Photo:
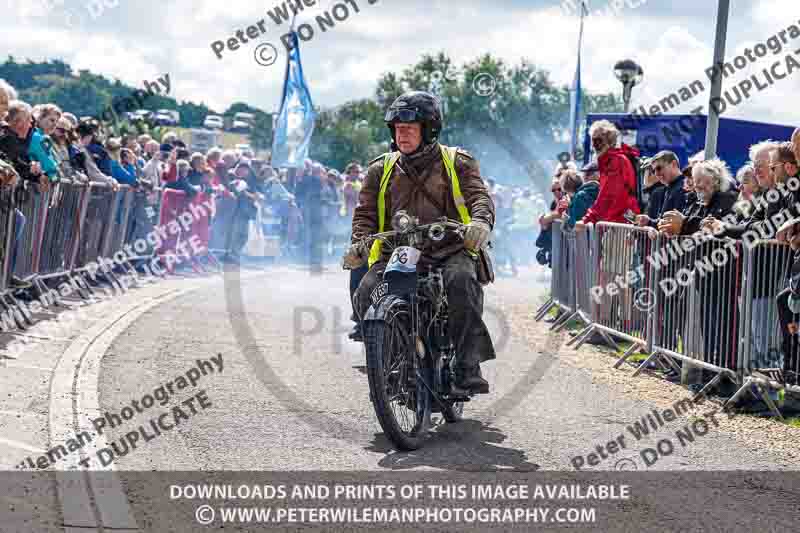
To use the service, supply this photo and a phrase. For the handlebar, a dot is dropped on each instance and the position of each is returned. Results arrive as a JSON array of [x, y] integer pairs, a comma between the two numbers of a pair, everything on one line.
[[444, 222]]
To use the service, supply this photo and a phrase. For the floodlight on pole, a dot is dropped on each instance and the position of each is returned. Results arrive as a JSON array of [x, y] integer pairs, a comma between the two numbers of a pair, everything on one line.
[[630, 74]]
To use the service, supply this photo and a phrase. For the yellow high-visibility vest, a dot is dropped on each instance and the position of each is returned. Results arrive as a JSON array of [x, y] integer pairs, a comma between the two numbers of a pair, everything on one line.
[[448, 156]]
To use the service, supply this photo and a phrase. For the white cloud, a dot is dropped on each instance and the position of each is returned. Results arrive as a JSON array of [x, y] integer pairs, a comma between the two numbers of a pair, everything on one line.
[[673, 41]]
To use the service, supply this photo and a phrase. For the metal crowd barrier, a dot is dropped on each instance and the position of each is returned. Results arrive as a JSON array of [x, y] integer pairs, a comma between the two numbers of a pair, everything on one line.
[[562, 284], [63, 229], [7, 229], [34, 209], [710, 303], [98, 223], [115, 237], [617, 286], [767, 268], [698, 305]]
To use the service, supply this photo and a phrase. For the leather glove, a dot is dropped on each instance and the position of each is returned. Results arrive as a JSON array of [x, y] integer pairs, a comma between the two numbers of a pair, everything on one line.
[[354, 257], [477, 235]]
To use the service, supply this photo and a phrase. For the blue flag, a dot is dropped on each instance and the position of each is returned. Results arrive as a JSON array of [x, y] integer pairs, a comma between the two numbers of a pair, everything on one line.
[[576, 93], [295, 123]]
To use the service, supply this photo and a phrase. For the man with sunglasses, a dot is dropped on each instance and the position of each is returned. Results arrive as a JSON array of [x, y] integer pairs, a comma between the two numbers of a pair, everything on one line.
[[429, 180], [667, 170]]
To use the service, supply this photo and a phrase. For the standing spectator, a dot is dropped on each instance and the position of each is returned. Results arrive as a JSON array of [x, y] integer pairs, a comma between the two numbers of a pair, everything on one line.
[[65, 150], [583, 193], [653, 192], [7, 94], [522, 223], [788, 304], [242, 186], [153, 171], [761, 155], [749, 191], [14, 137], [119, 171], [617, 177], [668, 172], [41, 147], [712, 182], [86, 160]]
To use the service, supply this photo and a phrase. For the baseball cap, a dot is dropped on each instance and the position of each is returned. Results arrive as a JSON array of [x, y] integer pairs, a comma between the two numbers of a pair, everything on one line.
[[667, 155]]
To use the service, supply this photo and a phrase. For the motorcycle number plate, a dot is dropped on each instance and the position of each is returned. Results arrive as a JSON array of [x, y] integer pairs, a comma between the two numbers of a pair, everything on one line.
[[403, 259], [381, 290]]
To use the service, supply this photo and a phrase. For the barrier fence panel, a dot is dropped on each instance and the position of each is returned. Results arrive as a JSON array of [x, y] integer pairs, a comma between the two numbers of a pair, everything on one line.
[[620, 291], [584, 273], [34, 209], [63, 229], [7, 229], [563, 264], [767, 358], [142, 222], [97, 225], [122, 200], [555, 273], [698, 303]]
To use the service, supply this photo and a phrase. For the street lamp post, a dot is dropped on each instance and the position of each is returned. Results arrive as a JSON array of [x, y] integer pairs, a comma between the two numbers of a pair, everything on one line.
[[630, 74]]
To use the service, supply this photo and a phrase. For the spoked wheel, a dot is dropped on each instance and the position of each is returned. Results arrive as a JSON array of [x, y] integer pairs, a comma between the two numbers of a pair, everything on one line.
[[401, 401]]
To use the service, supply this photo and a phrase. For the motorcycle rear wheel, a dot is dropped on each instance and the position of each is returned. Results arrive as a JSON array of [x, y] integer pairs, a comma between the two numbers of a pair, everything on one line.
[[402, 403]]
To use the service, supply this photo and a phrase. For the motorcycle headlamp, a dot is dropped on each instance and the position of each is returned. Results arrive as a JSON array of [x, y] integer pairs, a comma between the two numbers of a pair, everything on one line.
[[402, 114], [436, 232], [402, 222]]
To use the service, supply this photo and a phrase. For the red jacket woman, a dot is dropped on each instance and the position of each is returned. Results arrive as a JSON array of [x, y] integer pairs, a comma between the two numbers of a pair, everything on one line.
[[617, 177], [617, 187]]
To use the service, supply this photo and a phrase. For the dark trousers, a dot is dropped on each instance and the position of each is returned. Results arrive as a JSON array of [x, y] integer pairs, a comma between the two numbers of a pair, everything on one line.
[[720, 320], [790, 343], [468, 332]]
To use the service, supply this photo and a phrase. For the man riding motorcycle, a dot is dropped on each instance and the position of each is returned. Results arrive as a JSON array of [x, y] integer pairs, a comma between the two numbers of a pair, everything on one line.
[[417, 176]]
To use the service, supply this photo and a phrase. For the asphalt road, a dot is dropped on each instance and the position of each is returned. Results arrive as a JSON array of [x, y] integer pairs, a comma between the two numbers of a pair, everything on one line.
[[293, 396]]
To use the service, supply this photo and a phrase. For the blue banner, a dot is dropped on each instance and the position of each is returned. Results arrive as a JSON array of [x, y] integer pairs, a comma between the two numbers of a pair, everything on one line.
[[295, 123]]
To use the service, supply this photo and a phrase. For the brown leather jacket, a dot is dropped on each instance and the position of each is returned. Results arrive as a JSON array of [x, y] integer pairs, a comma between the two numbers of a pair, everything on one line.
[[403, 194]]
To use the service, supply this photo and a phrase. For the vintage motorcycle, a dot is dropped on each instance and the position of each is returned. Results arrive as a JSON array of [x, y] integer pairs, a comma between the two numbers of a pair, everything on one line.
[[408, 348]]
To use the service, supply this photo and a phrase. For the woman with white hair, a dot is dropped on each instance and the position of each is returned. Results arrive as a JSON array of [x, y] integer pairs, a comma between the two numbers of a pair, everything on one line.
[[617, 193], [712, 182]]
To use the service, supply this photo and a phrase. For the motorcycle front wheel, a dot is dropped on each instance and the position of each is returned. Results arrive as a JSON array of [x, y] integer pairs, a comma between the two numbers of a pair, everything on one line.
[[400, 399]]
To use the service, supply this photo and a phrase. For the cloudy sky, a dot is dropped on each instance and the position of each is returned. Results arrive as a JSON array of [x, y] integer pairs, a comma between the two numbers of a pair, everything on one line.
[[136, 40]]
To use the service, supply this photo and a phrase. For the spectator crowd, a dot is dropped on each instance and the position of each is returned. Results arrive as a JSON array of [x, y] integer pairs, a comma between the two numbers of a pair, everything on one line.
[[701, 197]]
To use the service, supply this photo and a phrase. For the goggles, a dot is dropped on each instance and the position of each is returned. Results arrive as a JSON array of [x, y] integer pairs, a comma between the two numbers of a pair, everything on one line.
[[403, 114]]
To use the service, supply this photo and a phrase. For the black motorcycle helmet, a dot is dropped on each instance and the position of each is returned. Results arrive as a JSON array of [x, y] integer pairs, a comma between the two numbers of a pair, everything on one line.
[[416, 106]]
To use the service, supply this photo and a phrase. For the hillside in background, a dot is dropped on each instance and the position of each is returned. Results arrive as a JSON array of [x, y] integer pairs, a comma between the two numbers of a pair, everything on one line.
[[515, 121], [87, 94]]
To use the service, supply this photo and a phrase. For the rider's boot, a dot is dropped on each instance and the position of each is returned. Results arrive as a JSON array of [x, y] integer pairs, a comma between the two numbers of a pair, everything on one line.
[[355, 334], [470, 380]]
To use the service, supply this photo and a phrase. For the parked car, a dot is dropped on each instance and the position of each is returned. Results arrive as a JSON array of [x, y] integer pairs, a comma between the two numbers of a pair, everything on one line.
[[243, 122], [213, 122], [166, 117], [162, 119]]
